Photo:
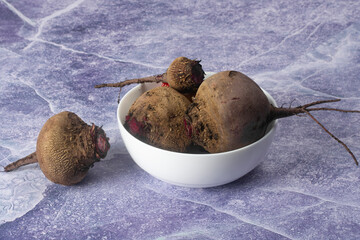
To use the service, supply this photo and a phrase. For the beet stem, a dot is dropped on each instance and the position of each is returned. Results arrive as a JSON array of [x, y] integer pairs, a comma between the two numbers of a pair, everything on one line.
[[333, 109], [281, 112], [319, 102], [332, 135], [156, 78], [276, 113], [31, 158]]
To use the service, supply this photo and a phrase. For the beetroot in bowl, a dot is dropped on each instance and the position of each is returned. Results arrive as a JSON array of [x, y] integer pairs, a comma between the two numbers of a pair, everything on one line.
[[190, 169]]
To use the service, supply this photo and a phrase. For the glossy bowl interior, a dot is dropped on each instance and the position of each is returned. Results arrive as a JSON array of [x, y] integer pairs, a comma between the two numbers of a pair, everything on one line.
[[191, 170]]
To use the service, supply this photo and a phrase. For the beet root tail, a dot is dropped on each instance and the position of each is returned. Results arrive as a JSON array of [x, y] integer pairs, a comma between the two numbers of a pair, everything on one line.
[[31, 158], [277, 113], [156, 78]]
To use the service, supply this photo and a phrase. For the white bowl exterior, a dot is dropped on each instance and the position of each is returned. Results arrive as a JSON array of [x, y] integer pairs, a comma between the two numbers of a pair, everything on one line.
[[191, 170]]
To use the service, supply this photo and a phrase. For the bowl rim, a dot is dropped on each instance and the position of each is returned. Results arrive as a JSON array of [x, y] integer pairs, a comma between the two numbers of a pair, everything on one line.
[[270, 131]]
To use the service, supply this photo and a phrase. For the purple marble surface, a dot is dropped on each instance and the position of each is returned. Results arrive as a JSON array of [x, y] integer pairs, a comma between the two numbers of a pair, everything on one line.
[[52, 53]]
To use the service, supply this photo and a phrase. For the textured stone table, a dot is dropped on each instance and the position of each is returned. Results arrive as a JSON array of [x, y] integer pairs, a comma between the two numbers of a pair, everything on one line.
[[52, 53]]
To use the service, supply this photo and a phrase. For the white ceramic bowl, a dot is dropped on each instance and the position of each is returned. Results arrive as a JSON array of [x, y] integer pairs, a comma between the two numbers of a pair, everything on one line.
[[191, 170]]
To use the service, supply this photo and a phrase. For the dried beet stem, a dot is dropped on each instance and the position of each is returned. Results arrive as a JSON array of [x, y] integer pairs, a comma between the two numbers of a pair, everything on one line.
[[319, 102], [281, 112], [31, 158], [277, 113], [332, 135], [156, 78], [334, 109]]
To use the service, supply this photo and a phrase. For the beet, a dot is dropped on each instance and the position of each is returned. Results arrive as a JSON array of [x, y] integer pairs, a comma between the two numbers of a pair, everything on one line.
[[228, 114], [231, 111], [157, 118], [66, 149], [183, 74]]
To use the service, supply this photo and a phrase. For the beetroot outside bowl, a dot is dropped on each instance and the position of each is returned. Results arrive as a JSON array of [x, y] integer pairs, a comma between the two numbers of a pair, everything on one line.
[[186, 169]]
